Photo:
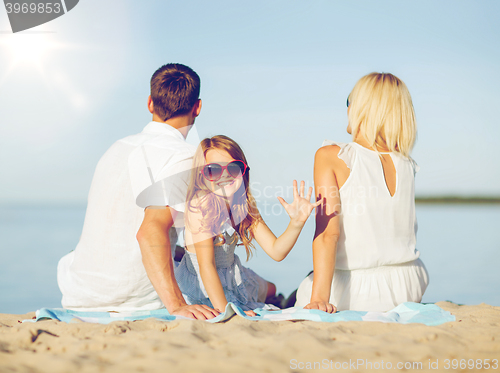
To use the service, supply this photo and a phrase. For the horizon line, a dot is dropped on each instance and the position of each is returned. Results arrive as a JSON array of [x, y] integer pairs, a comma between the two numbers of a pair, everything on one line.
[[425, 199]]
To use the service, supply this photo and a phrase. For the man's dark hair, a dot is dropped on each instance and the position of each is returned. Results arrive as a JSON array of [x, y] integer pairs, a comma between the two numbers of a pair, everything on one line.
[[175, 88]]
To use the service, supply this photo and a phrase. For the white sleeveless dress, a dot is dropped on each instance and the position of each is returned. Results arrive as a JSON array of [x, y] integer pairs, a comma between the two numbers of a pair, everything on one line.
[[377, 264]]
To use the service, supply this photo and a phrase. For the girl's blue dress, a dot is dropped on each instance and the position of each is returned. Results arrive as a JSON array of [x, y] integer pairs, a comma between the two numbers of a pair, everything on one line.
[[240, 284]]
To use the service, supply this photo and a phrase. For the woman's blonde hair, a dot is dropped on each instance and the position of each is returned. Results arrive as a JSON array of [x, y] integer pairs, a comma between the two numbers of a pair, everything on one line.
[[243, 212], [381, 108]]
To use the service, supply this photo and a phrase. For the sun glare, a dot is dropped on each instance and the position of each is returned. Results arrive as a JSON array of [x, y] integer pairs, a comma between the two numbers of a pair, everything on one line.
[[27, 48], [34, 54]]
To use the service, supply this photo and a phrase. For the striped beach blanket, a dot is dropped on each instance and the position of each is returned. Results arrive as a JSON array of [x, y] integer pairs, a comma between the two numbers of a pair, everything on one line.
[[406, 313]]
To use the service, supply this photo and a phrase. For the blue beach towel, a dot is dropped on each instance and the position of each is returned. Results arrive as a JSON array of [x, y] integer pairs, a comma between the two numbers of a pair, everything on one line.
[[406, 313]]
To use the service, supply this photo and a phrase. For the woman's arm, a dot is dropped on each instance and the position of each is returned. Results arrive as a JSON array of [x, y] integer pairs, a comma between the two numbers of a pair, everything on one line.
[[327, 228], [299, 211]]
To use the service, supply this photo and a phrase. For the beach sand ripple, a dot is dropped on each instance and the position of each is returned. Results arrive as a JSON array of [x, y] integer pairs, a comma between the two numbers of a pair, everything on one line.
[[239, 345]]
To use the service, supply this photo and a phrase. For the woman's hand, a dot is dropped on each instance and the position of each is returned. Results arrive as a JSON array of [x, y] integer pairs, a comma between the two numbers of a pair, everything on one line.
[[250, 313], [300, 209], [322, 306]]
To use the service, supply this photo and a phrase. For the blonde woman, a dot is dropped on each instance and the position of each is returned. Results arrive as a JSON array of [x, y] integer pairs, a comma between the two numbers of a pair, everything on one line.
[[364, 248], [220, 212]]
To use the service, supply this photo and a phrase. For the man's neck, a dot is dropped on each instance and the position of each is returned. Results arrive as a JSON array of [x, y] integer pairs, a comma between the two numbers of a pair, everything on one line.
[[183, 123]]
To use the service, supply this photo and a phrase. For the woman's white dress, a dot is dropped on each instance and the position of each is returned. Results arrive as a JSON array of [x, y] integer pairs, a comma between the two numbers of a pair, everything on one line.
[[377, 264]]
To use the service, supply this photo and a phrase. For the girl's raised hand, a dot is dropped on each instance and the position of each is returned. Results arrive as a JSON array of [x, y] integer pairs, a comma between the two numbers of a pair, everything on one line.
[[300, 209]]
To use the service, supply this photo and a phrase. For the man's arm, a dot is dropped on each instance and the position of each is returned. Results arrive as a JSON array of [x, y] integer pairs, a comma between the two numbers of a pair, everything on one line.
[[156, 253]]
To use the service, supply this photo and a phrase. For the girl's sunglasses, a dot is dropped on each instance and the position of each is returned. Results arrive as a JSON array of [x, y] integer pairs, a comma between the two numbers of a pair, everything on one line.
[[214, 171]]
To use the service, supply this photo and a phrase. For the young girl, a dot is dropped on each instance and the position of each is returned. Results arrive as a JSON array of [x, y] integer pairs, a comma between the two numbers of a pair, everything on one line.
[[364, 253], [221, 211]]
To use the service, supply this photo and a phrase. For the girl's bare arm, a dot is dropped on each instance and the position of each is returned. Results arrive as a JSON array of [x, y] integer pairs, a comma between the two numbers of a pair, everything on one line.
[[203, 244], [299, 210], [209, 275]]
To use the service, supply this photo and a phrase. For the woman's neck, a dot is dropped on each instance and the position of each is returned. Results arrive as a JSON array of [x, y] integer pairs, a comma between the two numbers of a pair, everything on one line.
[[361, 140]]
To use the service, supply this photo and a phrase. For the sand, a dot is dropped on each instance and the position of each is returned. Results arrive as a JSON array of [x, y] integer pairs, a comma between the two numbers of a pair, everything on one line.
[[239, 345]]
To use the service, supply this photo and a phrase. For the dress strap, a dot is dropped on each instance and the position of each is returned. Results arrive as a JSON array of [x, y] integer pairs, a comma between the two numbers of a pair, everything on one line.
[[228, 228]]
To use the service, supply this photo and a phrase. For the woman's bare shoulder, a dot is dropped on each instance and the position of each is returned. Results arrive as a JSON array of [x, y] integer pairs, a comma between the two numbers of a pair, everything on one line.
[[328, 154], [327, 160]]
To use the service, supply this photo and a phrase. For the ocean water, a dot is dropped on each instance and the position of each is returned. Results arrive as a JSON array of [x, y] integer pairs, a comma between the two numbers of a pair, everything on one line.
[[459, 244]]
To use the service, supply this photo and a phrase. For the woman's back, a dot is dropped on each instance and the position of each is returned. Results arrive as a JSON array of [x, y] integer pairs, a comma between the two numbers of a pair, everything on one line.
[[377, 265], [378, 225]]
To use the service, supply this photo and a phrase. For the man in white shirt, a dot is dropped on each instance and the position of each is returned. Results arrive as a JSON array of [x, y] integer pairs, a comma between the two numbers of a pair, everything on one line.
[[123, 261]]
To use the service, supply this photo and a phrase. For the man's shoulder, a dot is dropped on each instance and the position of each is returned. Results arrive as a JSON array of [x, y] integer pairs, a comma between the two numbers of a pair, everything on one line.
[[168, 143], [154, 143], [160, 140]]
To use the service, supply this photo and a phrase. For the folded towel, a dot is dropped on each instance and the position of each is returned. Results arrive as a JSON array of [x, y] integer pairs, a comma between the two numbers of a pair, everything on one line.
[[406, 313]]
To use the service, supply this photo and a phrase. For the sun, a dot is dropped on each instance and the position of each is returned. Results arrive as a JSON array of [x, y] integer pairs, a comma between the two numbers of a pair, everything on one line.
[[27, 48], [38, 55], [27, 51]]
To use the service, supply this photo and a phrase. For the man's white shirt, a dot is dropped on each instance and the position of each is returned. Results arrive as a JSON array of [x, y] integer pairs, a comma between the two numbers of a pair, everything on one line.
[[105, 271]]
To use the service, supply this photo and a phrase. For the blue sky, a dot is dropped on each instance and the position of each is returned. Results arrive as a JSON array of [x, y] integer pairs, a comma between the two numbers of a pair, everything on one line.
[[275, 77]]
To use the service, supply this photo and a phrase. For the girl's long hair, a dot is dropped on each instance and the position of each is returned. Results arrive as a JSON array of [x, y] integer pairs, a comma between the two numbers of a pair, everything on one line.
[[380, 106], [243, 212]]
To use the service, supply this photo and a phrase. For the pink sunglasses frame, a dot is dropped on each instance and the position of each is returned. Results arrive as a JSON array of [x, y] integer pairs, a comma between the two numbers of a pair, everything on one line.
[[225, 168]]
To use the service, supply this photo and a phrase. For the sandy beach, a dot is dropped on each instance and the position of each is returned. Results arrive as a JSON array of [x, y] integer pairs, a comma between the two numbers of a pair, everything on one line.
[[239, 345]]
